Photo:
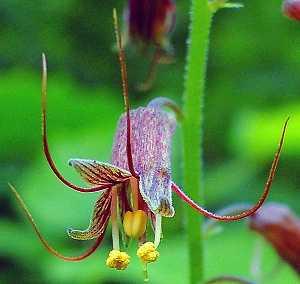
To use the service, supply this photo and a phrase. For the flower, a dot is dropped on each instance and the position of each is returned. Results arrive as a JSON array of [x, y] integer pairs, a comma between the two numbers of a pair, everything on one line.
[[148, 23], [281, 228], [291, 8], [136, 186]]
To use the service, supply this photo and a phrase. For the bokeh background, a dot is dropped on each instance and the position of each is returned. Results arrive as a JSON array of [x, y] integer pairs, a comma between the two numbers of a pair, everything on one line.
[[253, 85]]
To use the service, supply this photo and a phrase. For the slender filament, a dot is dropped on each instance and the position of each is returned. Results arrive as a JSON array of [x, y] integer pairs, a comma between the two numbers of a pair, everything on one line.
[[45, 139], [157, 233], [245, 213], [135, 193], [48, 247], [148, 83], [125, 92]]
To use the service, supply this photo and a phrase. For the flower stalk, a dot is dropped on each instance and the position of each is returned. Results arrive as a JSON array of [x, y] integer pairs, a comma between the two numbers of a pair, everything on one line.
[[193, 104]]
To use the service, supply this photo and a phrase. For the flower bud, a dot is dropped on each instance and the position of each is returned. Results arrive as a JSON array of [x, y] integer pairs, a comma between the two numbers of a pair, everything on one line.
[[291, 8], [150, 21]]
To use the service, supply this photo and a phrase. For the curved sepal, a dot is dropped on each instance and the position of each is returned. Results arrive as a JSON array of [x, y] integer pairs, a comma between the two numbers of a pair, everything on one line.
[[99, 173], [98, 222]]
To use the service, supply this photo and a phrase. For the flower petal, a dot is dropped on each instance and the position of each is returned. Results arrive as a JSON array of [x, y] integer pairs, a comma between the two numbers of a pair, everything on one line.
[[155, 188], [98, 222], [99, 173], [278, 224]]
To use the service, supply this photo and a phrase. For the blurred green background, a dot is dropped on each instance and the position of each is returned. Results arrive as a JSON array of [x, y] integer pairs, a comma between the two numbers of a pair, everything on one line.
[[253, 85]]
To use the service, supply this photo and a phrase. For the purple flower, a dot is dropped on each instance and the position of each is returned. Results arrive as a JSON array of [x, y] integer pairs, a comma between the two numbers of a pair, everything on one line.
[[137, 184], [151, 160]]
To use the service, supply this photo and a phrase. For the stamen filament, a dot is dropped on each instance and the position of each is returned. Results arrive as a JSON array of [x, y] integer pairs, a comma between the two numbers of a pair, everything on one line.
[[145, 272], [114, 221], [157, 233], [135, 193]]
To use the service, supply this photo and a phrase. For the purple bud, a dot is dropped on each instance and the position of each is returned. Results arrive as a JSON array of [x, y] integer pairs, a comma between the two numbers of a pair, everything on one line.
[[291, 8], [149, 21]]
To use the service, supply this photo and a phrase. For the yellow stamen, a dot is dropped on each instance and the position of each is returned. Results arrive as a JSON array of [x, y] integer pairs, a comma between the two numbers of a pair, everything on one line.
[[135, 223], [147, 252], [118, 260]]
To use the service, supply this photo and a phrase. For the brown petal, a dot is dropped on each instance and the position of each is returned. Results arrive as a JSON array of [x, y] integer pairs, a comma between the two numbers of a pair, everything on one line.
[[281, 228], [98, 222], [99, 173]]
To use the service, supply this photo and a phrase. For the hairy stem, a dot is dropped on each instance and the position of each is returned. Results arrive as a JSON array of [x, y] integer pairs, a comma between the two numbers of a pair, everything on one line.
[[192, 129]]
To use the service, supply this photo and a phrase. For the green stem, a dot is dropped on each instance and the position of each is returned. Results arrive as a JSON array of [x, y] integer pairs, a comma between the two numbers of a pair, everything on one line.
[[192, 129]]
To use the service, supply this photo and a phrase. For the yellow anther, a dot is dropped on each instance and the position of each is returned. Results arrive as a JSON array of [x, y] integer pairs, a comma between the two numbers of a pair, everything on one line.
[[135, 223], [118, 260], [147, 252]]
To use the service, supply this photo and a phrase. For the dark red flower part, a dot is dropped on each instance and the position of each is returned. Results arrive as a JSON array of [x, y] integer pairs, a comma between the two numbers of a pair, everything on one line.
[[150, 21], [281, 228], [291, 8]]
